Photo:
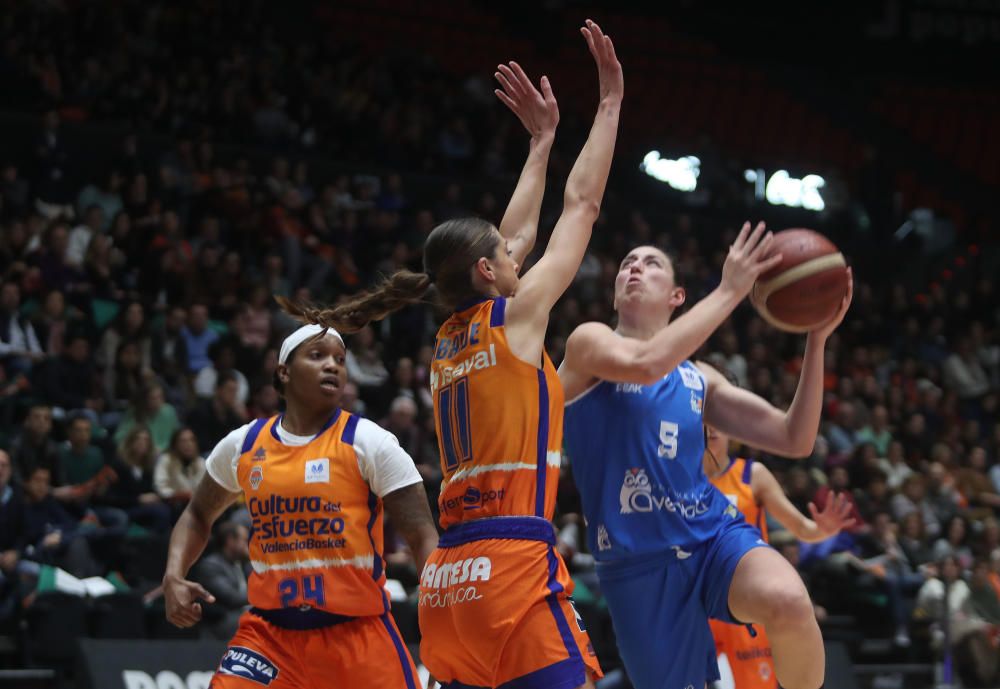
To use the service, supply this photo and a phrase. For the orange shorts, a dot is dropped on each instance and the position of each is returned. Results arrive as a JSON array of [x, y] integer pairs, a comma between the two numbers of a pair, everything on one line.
[[364, 652], [495, 607], [748, 657]]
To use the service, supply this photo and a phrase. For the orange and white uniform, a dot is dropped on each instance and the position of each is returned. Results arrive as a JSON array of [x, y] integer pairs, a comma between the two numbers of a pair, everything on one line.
[[748, 657], [494, 596], [319, 614]]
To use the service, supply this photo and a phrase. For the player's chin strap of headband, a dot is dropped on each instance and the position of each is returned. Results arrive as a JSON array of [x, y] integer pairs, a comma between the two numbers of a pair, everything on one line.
[[306, 332]]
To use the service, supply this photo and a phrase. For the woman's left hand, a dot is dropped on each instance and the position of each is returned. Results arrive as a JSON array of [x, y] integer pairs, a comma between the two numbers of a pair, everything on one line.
[[538, 111], [825, 330]]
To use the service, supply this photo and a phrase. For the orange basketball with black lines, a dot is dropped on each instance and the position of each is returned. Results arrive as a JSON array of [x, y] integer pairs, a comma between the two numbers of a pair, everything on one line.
[[803, 291]]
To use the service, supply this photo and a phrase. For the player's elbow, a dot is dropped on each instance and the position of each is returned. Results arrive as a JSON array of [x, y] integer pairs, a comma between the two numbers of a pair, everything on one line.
[[800, 448], [585, 206]]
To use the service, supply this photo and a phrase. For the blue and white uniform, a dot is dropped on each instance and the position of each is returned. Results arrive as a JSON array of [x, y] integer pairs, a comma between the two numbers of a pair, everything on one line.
[[667, 542]]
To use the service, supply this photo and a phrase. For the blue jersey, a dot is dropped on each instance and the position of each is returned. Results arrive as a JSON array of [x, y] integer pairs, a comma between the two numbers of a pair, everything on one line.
[[636, 453]]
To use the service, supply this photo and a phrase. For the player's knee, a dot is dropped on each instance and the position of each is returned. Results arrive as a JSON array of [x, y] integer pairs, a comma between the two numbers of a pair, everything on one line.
[[788, 608]]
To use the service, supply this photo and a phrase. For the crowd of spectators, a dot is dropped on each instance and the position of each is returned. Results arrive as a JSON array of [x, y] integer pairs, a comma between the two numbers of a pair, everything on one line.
[[137, 326]]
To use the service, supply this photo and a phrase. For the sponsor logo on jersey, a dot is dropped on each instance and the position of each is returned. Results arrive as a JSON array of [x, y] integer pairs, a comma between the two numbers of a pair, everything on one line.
[[753, 653], [697, 403], [444, 585], [260, 455], [474, 499], [256, 476], [240, 661], [637, 494], [691, 378], [629, 388], [278, 517], [318, 470], [483, 359], [603, 540]]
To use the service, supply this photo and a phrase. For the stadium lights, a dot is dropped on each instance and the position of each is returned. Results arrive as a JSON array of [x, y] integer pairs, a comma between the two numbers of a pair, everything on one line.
[[784, 190], [681, 174]]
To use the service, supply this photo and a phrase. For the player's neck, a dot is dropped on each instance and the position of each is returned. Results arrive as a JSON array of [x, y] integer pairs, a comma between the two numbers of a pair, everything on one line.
[[305, 422], [640, 327], [714, 468]]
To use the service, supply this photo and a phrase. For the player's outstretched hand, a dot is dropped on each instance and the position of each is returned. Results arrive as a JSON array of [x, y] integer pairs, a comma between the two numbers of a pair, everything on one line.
[[181, 597], [748, 258], [834, 517], [827, 329], [609, 70], [537, 110]]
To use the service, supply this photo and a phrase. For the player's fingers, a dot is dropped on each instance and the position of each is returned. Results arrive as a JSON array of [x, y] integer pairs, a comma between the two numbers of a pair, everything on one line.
[[812, 510], [507, 86], [522, 78], [515, 81], [506, 99], [607, 49], [182, 618], [754, 239], [509, 80], [741, 238], [202, 593], [590, 41], [763, 246], [612, 55], [547, 93], [770, 262]]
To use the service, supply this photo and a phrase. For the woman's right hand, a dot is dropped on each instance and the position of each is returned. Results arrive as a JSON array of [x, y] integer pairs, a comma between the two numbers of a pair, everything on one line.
[[609, 69], [748, 258], [181, 597]]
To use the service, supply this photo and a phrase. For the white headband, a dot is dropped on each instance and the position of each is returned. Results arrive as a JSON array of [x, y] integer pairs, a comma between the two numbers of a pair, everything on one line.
[[306, 332]]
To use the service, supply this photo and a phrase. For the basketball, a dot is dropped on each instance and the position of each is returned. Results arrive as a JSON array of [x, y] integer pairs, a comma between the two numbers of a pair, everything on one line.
[[803, 291]]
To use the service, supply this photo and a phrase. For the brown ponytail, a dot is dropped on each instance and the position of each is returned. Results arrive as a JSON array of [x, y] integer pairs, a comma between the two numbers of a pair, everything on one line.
[[393, 293]]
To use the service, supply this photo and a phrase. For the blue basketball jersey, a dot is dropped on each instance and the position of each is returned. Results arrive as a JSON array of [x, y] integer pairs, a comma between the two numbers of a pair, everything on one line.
[[636, 453]]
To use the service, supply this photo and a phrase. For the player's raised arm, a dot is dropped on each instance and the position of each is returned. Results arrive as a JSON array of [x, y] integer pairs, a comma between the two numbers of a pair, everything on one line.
[[539, 113], [542, 286], [593, 350], [752, 419]]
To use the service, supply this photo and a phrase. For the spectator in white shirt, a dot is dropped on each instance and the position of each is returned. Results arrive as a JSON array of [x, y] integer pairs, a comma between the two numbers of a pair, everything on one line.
[[963, 372], [180, 468], [19, 346], [80, 236]]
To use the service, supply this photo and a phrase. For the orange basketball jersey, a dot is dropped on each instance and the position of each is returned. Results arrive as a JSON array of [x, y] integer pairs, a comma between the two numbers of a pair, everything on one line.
[[316, 533], [749, 656], [734, 483], [498, 419]]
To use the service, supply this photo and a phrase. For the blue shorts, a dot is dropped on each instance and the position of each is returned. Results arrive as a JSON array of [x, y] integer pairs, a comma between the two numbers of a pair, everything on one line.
[[660, 605]]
